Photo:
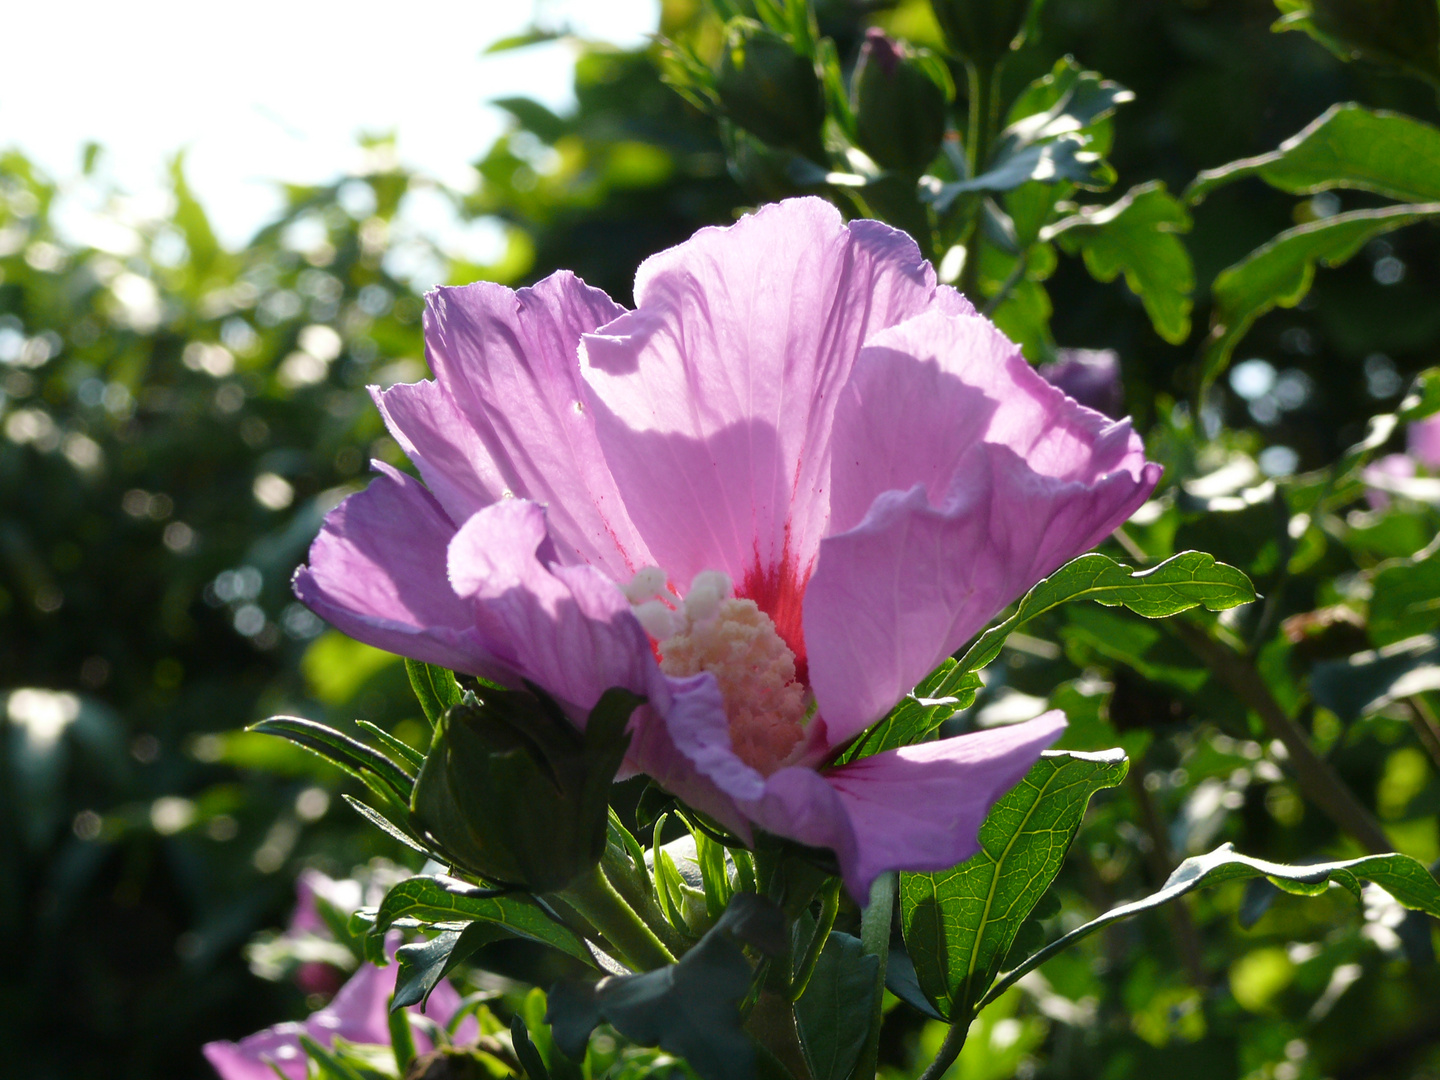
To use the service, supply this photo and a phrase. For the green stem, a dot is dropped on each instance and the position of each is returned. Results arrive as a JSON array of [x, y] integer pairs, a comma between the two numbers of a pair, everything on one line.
[[592, 895], [984, 83], [949, 1050], [1317, 780], [642, 901], [875, 940], [829, 907]]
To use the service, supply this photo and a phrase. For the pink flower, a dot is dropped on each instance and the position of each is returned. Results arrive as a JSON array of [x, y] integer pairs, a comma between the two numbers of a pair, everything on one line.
[[772, 498], [1422, 446], [358, 1014]]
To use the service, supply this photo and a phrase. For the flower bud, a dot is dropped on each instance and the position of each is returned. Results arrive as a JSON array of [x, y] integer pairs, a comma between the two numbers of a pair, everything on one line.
[[769, 89], [982, 31], [899, 98], [513, 792]]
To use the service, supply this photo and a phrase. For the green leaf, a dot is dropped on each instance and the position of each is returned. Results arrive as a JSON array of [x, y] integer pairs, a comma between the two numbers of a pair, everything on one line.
[[901, 980], [446, 902], [1405, 599], [424, 963], [1138, 236], [394, 821], [690, 1008], [1368, 681], [1280, 272], [1068, 98], [918, 714], [435, 687], [1346, 146], [399, 751], [1064, 159], [833, 1014], [1402, 877], [1398, 33], [1423, 398], [959, 924], [362, 762], [1189, 579]]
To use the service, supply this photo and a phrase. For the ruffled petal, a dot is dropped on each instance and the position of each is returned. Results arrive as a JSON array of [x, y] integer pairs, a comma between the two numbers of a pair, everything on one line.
[[682, 739], [960, 478], [568, 629], [714, 398], [444, 444], [920, 807], [376, 572], [506, 413]]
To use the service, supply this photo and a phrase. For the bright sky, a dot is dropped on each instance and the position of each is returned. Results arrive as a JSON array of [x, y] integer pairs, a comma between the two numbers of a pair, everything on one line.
[[278, 89]]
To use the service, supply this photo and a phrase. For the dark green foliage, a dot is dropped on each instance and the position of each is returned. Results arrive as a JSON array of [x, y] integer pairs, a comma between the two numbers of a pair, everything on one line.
[[691, 1008]]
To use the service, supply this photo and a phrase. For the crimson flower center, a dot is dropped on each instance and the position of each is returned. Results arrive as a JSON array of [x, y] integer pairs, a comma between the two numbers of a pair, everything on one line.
[[766, 706]]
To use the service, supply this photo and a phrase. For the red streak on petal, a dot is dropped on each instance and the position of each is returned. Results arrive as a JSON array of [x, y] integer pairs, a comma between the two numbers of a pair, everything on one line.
[[779, 590]]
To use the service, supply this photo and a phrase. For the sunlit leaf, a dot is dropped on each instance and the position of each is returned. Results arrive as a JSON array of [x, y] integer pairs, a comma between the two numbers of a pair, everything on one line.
[[1279, 273], [1346, 146], [959, 924], [1404, 878], [1138, 235]]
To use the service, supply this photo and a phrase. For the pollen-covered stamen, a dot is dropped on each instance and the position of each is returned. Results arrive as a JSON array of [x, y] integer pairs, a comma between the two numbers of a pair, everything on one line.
[[737, 643]]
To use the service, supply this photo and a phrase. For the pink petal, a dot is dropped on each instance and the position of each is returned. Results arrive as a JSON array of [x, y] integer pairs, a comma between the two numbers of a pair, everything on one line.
[[920, 807], [1422, 439], [505, 414], [444, 444], [683, 744], [358, 1013], [714, 398], [568, 629], [376, 573], [960, 478]]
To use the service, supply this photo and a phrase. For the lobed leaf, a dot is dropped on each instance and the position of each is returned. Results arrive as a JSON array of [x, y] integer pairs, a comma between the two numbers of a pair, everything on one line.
[[1280, 272], [1404, 878], [918, 714], [1346, 146], [1063, 159], [959, 924], [1189, 579], [1138, 236]]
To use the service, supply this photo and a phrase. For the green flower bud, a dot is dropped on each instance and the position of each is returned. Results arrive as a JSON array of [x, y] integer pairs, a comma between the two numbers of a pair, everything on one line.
[[769, 89], [899, 98], [513, 792], [982, 31]]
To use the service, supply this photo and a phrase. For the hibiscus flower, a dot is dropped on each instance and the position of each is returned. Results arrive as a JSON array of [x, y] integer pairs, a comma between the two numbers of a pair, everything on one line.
[[359, 1014], [772, 498]]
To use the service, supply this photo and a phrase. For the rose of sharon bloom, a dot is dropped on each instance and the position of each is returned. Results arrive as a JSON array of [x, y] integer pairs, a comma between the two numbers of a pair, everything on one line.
[[772, 498], [358, 1014]]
